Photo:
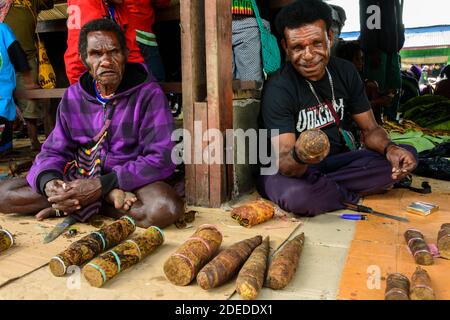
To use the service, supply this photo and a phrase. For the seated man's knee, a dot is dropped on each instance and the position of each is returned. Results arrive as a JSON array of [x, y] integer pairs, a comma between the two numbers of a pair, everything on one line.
[[6, 187], [298, 201], [161, 206]]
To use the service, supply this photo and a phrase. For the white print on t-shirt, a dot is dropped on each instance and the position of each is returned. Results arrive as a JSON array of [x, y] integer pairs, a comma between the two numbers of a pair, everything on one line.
[[319, 116]]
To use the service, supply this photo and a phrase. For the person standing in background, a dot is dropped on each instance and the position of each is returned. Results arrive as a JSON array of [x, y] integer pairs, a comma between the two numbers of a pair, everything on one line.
[[443, 86], [83, 11], [12, 58], [22, 19], [246, 42], [142, 18]]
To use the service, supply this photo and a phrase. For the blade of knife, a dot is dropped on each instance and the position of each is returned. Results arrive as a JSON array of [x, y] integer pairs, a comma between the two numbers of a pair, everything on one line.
[[59, 229], [385, 215], [361, 208]]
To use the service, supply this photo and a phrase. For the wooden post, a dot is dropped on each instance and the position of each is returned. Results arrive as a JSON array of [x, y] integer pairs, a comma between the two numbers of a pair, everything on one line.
[[219, 87], [194, 78], [201, 169]]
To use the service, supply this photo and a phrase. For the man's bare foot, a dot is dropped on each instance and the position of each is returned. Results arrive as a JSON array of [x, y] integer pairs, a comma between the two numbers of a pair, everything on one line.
[[122, 200], [46, 213]]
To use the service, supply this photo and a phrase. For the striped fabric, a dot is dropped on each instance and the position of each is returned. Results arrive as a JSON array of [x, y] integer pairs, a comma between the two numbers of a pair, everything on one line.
[[242, 7], [88, 165], [146, 38]]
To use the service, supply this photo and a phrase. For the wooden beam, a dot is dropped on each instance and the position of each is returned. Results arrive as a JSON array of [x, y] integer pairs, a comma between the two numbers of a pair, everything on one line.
[[219, 88], [167, 87], [201, 170], [58, 25], [193, 80], [40, 93]]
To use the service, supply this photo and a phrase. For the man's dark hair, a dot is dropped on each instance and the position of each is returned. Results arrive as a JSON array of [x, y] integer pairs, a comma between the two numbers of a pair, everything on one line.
[[99, 25], [302, 12]]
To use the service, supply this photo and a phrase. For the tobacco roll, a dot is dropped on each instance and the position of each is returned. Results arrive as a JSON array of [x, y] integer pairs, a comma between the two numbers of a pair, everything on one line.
[[313, 143], [397, 287], [284, 264], [251, 277], [91, 245], [227, 263], [419, 248], [6, 240], [421, 286], [443, 241], [253, 213], [121, 257], [184, 264]]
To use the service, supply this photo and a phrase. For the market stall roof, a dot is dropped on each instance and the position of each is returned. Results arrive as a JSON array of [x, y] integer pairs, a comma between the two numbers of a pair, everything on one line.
[[433, 36]]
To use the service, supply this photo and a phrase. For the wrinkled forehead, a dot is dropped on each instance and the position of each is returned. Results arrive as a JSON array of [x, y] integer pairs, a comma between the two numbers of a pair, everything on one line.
[[102, 40]]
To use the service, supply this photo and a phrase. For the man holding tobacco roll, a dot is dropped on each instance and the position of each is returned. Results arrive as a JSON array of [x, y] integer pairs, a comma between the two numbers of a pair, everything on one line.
[[313, 101]]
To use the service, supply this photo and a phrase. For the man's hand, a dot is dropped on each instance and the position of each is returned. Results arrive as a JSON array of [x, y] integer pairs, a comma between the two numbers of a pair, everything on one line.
[[403, 162], [54, 187], [312, 146], [80, 193]]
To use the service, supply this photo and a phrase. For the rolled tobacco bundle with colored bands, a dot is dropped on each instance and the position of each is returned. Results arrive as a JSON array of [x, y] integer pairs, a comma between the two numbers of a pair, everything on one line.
[[313, 144], [421, 286], [443, 241], [121, 257], [284, 264], [253, 213], [251, 277], [6, 240], [91, 245], [419, 248], [397, 287], [227, 263], [184, 264]]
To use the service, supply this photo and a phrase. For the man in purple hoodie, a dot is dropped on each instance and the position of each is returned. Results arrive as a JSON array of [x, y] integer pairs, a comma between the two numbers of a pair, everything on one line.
[[111, 146]]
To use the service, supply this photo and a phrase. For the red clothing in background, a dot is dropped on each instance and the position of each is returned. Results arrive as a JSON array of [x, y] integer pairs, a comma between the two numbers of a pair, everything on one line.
[[83, 11], [142, 13]]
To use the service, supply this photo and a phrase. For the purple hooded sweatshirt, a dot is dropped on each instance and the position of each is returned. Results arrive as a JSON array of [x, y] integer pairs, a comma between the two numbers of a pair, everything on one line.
[[138, 146]]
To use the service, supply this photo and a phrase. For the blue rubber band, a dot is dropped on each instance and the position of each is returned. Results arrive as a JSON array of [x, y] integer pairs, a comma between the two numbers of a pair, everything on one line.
[[117, 259], [99, 269], [101, 237], [131, 220], [160, 231]]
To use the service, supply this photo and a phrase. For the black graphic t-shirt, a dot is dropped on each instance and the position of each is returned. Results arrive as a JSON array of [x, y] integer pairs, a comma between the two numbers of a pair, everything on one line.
[[289, 105]]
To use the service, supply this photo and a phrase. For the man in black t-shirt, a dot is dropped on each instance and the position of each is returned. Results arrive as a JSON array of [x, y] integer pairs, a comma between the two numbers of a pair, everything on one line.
[[314, 90]]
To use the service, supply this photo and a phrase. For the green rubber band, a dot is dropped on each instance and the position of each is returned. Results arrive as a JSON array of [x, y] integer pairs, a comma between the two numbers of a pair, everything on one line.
[[99, 269], [101, 237], [131, 220], [160, 231], [117, 259]]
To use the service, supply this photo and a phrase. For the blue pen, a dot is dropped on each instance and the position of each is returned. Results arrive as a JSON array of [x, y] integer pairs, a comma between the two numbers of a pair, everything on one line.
[[354, 216]]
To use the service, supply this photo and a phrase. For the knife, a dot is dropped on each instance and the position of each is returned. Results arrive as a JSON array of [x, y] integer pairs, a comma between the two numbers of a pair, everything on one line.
[[361, 208], [59, 229]]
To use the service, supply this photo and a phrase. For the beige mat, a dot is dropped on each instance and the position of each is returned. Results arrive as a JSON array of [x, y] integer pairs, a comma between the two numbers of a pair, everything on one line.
[[143, 281], [29, 252]]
